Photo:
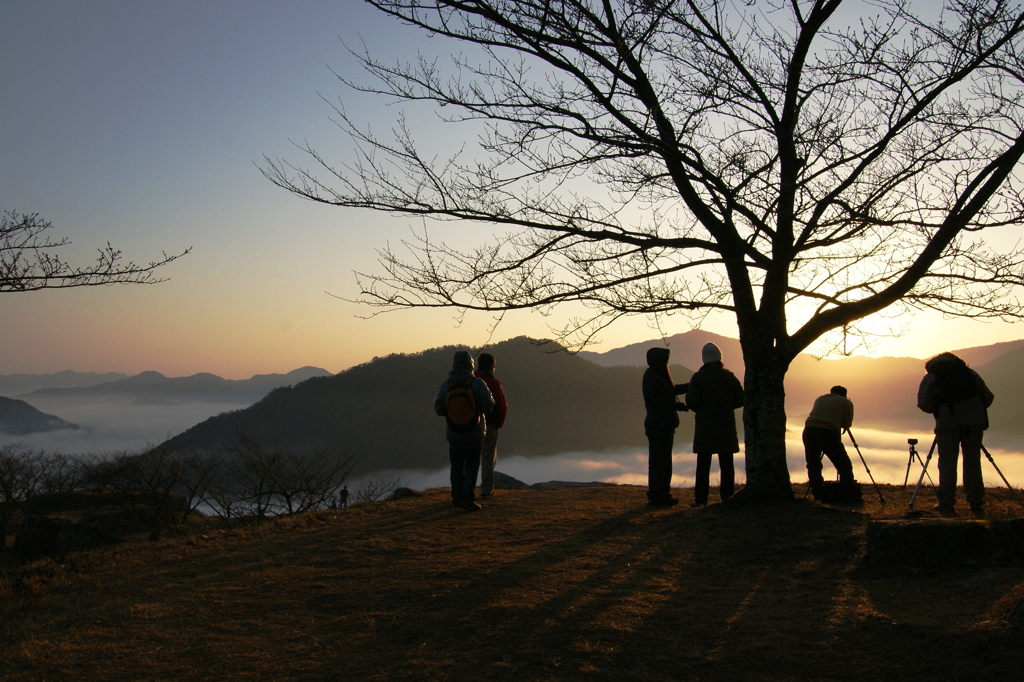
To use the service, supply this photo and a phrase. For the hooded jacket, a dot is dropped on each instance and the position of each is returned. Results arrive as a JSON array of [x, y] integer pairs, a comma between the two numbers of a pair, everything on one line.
[[462, 371], [660, 393]]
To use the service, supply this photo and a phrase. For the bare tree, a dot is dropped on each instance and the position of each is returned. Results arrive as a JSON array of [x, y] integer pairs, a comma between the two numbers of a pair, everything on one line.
[[800, 164], [17, 482], [166, 486], [258, 481], [29, 260]]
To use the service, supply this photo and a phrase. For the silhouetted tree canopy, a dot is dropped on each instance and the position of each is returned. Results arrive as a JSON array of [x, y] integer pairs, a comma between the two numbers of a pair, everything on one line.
[[801, 164]]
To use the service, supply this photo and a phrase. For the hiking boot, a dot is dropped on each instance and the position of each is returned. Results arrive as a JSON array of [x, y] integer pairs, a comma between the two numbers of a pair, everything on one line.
[[944, 510], [696, 504], [667, 502], [977, 511], [471, 505]]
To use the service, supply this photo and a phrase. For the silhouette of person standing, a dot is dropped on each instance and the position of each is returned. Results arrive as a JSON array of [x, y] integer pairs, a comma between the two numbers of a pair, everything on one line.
[[463, 399], [495, 420], [660, 425], [958, 398], [713, 395]]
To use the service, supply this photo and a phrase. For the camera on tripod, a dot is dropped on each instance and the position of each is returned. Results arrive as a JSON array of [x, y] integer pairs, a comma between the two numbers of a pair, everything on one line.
[[911, 441]]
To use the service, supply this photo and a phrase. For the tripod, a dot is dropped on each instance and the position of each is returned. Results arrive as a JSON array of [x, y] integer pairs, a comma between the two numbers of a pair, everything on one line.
[[924, 468], [912, 443], [988, 455], [865, 463]]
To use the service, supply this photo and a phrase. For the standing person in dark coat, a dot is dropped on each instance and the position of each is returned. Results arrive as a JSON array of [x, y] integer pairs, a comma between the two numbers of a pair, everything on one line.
[[660, 425], [495, 420], [464, 440], [959, 399], [713, 395], [831, 414]]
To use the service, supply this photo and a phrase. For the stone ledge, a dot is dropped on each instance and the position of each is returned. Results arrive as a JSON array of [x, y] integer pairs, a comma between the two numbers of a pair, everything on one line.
[[933, 544]]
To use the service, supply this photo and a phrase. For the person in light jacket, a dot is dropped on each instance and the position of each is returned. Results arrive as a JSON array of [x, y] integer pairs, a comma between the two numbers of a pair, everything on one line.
[[830, 415]]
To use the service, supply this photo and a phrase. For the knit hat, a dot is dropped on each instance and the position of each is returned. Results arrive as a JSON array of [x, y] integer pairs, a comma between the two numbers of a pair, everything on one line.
[[710, 353], [840, 390]]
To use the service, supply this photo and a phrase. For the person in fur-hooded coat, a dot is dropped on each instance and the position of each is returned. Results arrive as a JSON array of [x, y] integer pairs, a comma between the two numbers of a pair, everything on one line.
[[660, 425]]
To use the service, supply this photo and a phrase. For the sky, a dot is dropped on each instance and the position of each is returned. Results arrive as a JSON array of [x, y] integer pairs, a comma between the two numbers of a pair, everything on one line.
[[142, 125]]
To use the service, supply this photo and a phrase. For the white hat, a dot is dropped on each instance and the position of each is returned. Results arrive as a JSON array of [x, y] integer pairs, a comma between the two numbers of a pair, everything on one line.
[[710, 353]]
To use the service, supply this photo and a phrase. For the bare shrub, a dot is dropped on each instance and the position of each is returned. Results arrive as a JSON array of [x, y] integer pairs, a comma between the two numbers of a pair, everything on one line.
[[377, 488], [256, 481]]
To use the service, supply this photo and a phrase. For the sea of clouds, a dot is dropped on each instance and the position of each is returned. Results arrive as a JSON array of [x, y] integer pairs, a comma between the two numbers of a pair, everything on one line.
[[109, 427]]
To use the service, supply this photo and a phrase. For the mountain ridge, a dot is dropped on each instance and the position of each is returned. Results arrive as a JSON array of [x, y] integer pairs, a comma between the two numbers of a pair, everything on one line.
[[154, 388], [18, 418], [559, 402]]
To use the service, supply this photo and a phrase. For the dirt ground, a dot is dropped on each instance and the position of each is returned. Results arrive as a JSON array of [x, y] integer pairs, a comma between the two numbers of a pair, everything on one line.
[[570, 583]]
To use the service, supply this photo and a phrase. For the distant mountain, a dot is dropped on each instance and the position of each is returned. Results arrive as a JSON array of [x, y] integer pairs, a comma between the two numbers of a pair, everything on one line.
[[18, 384], [884, 390], [685, 349], [18, 418], [982, 355], [383, 410], [1005, 378], [154, 388]]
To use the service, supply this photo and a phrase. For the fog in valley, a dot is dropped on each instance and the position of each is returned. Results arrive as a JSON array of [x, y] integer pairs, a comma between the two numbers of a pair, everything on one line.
[[114, 426], [885, 453], [108, 427]]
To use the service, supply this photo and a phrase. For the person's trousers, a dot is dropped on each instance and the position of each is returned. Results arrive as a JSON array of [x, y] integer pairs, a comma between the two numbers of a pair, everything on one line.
[[465, 460], [819, 441], [949, 444], [488, 460], [702, 476], [659, 465]]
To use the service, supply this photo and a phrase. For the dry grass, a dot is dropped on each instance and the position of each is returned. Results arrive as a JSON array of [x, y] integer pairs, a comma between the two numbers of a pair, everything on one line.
[[581, 583]]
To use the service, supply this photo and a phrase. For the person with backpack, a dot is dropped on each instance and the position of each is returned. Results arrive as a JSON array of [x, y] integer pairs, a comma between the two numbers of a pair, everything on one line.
[[830, 415], [463, 399], [660, 425], [714, 395], [958, 398], [495, 420]]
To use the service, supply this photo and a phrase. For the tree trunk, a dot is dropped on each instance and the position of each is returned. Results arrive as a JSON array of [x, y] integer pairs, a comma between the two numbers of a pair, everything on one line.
[[764, 426]]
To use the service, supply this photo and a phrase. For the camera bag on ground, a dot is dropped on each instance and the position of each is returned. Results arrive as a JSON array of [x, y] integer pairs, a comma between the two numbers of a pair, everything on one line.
[[838, 492]]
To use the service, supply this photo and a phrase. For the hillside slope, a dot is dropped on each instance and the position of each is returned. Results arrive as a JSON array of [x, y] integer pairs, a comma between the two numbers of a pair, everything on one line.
[[383, 410], [18, 418]]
